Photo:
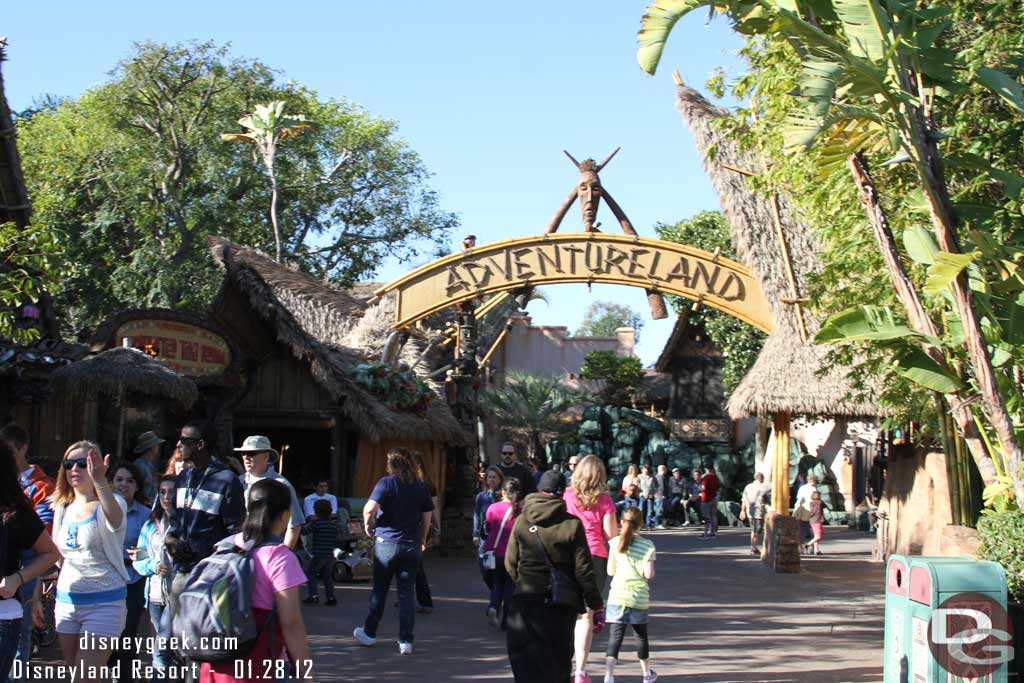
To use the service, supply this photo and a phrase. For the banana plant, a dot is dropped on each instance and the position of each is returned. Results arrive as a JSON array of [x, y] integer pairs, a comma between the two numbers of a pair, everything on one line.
[[873, 71], [265, 128]]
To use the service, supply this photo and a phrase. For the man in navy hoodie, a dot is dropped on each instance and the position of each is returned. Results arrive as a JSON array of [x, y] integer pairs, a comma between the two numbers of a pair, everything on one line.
[[209, 506]]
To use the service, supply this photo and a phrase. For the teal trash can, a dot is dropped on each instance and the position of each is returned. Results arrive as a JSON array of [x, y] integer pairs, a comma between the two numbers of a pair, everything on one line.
[[931, 603]]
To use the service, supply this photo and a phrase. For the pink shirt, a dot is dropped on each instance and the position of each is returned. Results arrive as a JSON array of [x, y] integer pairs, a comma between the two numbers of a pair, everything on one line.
[[492, 522], [593, 520], [276, 569]]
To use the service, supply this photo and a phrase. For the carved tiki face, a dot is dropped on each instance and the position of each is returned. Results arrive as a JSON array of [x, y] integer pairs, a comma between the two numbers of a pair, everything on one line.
[[589, 193]]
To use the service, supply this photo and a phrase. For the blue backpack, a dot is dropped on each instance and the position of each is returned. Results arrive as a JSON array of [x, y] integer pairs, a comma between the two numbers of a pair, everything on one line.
[[215, 620]]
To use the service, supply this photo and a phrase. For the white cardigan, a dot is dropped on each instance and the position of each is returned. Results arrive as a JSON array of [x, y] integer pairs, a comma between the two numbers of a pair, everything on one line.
[[113, 539]]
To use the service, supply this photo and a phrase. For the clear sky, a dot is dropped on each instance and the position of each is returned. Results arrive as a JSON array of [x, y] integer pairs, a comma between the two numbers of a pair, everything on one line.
[[488, 94]]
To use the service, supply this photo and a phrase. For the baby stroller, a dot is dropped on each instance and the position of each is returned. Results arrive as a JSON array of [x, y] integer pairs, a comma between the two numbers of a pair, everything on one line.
[[353, 559]]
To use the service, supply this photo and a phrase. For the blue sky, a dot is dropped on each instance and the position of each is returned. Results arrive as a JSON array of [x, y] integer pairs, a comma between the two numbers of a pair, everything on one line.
[[489, 95]]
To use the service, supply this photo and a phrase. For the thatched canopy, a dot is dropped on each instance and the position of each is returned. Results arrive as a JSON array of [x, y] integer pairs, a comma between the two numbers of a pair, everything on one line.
[[785, 376], [333, 332], [143, 379], [14, 204]]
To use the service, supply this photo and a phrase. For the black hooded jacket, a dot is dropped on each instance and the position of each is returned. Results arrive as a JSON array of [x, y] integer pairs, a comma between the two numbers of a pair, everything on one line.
[[565, 542]]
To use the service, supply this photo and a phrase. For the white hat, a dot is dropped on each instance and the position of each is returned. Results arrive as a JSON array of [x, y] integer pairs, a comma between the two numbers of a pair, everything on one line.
[[256, 444]]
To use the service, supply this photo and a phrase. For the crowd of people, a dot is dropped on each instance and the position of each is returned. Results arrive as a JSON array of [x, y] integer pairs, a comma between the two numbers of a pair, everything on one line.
[[126, 539], [560, 559]]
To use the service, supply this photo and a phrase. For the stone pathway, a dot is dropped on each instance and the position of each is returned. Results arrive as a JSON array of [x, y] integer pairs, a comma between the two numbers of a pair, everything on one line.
[[718, 616]]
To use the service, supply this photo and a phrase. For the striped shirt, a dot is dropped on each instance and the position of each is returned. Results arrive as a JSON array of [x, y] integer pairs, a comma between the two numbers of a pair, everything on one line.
[[325, 536], [629, 587]]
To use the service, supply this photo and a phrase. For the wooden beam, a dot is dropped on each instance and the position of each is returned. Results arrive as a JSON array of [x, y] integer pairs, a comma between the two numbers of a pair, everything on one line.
[[781, 235], [495, 345], [780, 471], [736, 169]]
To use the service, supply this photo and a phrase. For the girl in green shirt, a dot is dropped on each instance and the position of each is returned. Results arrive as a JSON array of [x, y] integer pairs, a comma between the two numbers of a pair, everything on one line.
[[631, 566]]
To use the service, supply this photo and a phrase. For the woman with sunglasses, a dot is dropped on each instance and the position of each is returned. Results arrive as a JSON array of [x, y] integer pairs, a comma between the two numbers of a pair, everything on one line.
[[151, 560], [89, 522], [20, 530]]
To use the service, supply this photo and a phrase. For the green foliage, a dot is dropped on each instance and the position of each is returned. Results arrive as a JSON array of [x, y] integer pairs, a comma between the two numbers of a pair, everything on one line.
[[530, 406], [1002, 541], [398, 389], [135, 174], [829, 77], [739, 342], [602, 318], [622, 375], [30, 261]]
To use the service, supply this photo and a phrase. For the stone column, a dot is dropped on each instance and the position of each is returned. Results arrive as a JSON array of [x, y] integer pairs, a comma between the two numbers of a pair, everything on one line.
[[781, 549]]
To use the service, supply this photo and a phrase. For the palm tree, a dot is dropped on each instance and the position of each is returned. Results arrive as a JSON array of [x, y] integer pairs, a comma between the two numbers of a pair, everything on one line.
[[266, 127], [531, 405]]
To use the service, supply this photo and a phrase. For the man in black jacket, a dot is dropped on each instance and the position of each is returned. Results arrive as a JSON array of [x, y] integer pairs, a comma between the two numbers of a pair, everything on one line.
[[209, 506], [511, 467], [540, 634]]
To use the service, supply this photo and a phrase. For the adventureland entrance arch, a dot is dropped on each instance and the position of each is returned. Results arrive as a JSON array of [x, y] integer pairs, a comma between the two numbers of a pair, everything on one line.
[[657, 266], [487, 273], [651, 264]]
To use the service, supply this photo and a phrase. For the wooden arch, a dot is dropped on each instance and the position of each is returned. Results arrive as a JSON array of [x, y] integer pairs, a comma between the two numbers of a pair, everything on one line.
[[651, 264]]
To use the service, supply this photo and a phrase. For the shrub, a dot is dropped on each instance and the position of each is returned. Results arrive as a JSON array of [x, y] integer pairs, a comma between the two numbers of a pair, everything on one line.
[[1002, 541]]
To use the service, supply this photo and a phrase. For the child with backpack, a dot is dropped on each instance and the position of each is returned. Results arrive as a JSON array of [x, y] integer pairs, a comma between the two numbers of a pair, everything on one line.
[[281, 647], [631, 566], [324, 531]]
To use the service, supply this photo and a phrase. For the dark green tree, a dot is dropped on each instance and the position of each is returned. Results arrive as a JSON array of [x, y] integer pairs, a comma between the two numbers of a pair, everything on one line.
[[602, 318], [739, 342], [135, 174], [621, 375]]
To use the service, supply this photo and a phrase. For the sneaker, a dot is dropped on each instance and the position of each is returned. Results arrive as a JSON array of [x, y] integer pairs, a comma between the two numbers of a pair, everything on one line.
[[660, 527], [754, 551], [492, 617], [651, 676], [404, 648], [311, 600], [360, 635], [331, 602], [686, 523], [609, 679], [581, 677]]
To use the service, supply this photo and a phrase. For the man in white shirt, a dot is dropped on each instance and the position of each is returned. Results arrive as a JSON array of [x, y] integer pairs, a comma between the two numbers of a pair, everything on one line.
[[320, 494], [803, 501], [256, 453], [755, 499]]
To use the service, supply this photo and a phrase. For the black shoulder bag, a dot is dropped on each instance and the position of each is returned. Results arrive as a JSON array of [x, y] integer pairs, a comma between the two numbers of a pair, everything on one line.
[[564, 591]]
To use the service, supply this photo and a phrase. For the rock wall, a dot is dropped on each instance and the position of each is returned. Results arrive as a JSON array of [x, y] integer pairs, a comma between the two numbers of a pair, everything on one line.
[[914, 510]]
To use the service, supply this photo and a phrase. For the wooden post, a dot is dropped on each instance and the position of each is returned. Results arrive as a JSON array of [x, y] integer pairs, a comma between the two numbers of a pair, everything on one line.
[[780, 480]]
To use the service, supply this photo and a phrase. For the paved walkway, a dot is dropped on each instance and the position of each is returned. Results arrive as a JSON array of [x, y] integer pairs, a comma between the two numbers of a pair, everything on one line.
[[717, 616]]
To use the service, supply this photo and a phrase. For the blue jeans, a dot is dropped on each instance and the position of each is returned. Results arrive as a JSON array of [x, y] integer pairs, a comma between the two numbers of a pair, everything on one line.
[[161, 620], [654, 512], [10, 637], [391, 559], [502, 590], [25, 644], [321, 567]]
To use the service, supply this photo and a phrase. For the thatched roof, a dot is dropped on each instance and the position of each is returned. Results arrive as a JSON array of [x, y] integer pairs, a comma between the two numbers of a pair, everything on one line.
[[333, 332], [143, 378], [785, 375], [14, 204]]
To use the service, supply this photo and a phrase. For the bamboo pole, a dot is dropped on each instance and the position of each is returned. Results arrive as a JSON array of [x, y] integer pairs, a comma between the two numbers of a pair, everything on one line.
[[784, 246], [780, 480], [952, 465], [494, 346]]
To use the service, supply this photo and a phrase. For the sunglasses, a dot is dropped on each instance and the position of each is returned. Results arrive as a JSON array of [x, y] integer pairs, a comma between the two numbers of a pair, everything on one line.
[[80, 463], [188, 440], [508, 452]]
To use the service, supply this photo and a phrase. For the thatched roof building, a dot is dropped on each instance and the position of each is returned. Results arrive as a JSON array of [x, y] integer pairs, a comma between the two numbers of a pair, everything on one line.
[[141, 377], [331, 331], [14, 205], [785, 377]]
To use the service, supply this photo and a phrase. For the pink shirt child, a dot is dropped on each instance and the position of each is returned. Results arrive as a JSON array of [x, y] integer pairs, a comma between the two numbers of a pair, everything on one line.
[[275, 569], [593, 520], [492, 523]]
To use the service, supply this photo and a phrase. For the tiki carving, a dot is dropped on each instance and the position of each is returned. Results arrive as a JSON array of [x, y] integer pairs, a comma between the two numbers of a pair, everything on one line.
[[588, 192]]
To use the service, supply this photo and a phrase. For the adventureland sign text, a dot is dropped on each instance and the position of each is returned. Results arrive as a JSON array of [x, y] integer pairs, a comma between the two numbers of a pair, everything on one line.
[[588, 257]]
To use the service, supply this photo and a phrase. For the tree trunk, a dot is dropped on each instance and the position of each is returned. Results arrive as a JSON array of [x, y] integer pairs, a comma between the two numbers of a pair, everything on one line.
[[916, 314], [944, 222], [273, 216]]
